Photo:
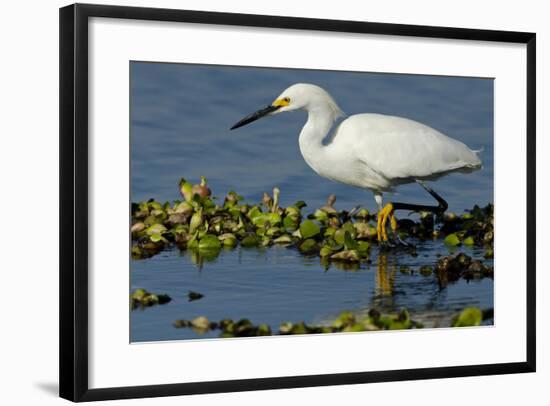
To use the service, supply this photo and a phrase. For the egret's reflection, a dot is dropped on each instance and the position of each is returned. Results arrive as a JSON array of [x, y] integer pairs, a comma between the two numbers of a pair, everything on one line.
[[385, 280]]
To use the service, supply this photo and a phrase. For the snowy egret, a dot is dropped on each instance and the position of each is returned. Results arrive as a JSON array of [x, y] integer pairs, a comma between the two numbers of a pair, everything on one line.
[[371, 151]]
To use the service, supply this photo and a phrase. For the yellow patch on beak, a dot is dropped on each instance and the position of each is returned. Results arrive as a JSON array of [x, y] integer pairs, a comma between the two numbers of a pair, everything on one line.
[[281, 102]]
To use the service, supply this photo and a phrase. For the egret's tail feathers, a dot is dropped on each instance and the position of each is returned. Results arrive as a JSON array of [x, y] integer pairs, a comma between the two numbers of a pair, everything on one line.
[[479, 151], [476, 163]]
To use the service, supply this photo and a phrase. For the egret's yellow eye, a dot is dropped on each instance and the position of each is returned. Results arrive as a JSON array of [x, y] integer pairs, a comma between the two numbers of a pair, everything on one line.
[[282, 102]]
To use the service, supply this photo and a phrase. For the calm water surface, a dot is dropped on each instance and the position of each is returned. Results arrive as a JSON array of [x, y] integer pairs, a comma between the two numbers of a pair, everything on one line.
[[278, 284], [180, 119]]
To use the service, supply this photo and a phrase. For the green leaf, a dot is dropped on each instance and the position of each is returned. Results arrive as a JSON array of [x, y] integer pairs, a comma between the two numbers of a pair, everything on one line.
[[186, 190], [339, 236], [140, 297], [307, 245], [330, 231], [155, 229], [469, 241], [264, 330], [260, 219], [309, 229], [250, 241], [254, 212], [274, 218], [209, 241], [139, 294], [290, 224], [353, 328], [193, 242], [321, 215], [157, 238], [325, 251], [344, 319], [155, 205], [470, 316], [349, 242], [452, 240], [228, 239], [363, 246], [196, 221], [348, 226]]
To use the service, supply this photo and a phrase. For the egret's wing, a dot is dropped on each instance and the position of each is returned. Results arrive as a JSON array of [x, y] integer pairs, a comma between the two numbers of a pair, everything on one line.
[[396, 147]]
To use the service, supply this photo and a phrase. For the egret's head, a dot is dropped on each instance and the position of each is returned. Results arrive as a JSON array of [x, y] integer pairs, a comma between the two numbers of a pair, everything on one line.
[[307, 97], [299, 96]]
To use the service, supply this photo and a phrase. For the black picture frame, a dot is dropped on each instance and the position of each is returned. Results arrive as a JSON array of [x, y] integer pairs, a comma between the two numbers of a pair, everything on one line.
[[73, 333]]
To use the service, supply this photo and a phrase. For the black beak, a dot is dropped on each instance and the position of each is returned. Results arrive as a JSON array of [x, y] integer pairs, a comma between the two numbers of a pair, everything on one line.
[[255, 116]]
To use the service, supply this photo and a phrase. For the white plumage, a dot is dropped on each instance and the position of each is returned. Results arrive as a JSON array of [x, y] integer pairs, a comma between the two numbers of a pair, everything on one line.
[[385, 151], [373, 151]]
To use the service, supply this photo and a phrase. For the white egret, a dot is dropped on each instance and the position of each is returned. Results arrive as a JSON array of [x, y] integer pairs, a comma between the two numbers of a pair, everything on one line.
[[371, 151]]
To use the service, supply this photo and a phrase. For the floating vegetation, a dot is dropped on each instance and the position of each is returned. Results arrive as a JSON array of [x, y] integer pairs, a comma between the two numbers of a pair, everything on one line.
[[469, 317], [194, 296], [452, 239], [142, 298], [452, 268], [346, 322], [202, 225], [425, 270]]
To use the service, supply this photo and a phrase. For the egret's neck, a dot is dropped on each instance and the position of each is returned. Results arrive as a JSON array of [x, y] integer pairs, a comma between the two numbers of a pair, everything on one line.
[[318, 125]]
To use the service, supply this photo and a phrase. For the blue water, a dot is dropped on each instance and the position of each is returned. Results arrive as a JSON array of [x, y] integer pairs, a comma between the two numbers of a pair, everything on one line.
[[181, 115], [180, 120], [277, 284]]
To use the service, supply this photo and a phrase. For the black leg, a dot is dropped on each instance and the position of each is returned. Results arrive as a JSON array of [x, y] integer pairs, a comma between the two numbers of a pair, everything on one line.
[[439, 209]]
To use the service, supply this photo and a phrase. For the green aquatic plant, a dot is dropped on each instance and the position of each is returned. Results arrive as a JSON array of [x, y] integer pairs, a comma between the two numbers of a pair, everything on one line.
[[309, 229], [142, 298], [469, 241], [209, 242], [452, 240], [470, 316], [186, 190], [198, 223], [345, 322]]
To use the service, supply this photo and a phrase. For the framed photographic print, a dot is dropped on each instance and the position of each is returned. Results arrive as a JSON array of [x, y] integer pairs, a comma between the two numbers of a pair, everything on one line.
[[212, 242]]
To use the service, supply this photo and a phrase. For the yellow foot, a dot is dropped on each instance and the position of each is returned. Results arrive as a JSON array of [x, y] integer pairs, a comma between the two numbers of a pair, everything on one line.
[[383, 215]]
